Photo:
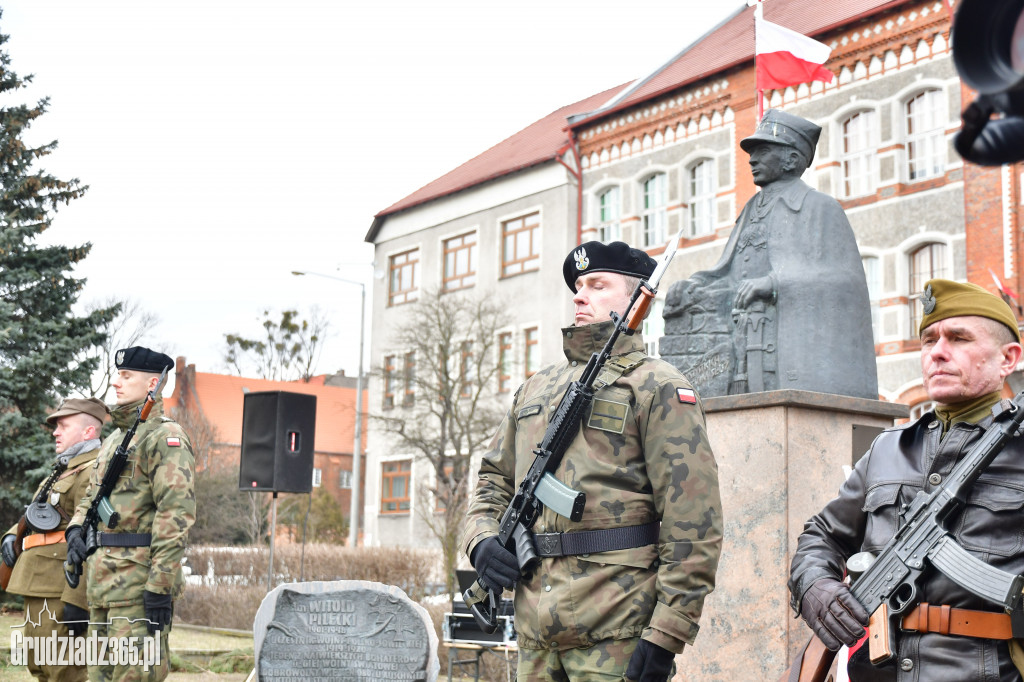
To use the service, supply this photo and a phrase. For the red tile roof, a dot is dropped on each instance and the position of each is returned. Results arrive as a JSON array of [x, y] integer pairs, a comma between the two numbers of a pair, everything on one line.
[[732, 43], [537, 143], [221, 400]]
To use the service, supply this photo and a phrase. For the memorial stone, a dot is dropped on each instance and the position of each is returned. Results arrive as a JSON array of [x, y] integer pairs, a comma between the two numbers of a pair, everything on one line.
[[344, 630]]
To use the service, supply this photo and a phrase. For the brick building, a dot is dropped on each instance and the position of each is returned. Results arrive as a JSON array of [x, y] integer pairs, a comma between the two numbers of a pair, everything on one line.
[[639, 161]]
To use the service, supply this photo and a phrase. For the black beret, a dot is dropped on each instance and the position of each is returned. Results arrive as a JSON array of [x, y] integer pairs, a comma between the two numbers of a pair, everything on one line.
[[600, 257], [142, 359]]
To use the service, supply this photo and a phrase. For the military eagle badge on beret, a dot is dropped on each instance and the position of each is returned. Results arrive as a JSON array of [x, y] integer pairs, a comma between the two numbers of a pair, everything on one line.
[[928, 300], [582, 262], [119, 357]]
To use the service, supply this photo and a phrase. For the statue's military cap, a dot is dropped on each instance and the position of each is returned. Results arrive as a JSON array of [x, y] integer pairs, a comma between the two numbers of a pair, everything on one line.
[[94, 407], [600, 257], [142, 359], [783, 128], [943, 299]]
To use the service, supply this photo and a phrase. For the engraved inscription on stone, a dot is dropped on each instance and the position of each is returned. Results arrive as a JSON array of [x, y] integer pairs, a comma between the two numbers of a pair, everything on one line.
[[354, 634]]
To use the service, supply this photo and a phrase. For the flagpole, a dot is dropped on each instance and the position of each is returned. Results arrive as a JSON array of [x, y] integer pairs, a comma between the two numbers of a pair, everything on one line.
[[758, 14]]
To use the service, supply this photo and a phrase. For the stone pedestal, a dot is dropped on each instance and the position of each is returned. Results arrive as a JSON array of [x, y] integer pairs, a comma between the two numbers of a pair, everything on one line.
[[781, 456]]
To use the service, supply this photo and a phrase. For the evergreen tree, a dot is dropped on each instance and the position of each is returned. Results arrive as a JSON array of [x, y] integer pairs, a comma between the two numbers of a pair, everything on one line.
[[42, 343]]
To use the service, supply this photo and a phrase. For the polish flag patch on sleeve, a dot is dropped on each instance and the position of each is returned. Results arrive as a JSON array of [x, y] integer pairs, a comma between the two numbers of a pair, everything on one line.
[[175, 442], [686, 396]]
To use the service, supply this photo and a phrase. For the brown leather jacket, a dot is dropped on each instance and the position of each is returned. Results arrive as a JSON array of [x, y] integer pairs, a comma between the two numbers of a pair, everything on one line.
[[865, 514]]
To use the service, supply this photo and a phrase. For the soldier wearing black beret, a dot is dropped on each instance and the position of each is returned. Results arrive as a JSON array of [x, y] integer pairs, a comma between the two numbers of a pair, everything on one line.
[[136, 573], [595, 604], [970, 343]]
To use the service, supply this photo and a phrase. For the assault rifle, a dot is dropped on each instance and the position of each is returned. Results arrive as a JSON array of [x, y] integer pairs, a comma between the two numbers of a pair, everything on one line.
[[539, 486], [888, 587], [59, 465], [100, 508]]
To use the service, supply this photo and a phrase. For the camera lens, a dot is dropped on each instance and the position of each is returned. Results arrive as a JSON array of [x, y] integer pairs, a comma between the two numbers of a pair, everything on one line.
[[1017, 46]]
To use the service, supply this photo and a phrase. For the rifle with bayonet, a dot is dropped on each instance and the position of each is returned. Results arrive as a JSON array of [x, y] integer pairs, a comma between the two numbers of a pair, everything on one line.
[[539, 487], [888, 587], [39, 502], [100, 508]]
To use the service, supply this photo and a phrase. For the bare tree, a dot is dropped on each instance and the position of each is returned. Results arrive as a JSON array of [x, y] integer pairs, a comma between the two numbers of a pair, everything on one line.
[[202, 434], [129, 327], [289, 348], [443, 407]]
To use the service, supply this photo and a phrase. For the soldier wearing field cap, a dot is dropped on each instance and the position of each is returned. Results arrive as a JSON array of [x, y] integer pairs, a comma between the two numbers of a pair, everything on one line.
[[135, 573], [600, 607], [970, 343], [51, 605]]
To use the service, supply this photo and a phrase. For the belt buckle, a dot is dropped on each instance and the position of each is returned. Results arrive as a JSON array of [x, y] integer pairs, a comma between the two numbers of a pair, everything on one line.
[[549, 544]]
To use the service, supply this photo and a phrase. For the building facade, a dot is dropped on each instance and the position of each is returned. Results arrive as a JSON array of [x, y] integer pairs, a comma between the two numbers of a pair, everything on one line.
[[663, 153]]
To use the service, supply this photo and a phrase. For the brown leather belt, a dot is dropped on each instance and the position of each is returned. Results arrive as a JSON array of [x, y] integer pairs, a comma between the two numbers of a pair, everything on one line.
[[945, 620], [40, 539]]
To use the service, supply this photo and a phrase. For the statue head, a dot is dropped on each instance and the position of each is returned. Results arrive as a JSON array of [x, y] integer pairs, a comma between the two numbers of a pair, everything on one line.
[[781, 128]]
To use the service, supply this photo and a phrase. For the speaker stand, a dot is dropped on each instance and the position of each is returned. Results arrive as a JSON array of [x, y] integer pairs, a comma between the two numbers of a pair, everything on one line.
[[273, 532]]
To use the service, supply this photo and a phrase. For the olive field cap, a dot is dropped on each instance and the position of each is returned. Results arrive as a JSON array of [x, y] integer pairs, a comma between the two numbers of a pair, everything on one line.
[[944, 298], [616, 257], [782, 128], [93, 407], [142, 359]]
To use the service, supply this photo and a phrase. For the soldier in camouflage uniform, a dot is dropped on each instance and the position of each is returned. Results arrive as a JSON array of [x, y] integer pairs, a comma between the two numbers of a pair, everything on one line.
[[51, 605], [643, 459], [135, 572]]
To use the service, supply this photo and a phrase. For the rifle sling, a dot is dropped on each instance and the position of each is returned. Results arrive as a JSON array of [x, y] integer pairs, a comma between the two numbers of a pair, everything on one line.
[[596, 541], [617, 367]]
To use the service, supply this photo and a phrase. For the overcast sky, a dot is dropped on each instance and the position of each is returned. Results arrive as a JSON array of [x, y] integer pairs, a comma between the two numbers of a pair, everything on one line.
[[226, 144]]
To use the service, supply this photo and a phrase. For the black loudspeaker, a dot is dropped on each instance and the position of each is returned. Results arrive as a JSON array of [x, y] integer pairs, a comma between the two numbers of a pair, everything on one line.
[[277, 442]]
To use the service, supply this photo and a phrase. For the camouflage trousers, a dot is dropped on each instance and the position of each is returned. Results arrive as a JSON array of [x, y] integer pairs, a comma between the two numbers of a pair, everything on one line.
[[605, 660], [47, 612], [127, 622]]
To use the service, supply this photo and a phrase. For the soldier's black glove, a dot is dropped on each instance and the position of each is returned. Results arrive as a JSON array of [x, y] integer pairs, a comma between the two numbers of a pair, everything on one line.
[[76, 619], [496, 567], [158, 610], [650, 663], [7, 550], [76, 545], [836, 617]]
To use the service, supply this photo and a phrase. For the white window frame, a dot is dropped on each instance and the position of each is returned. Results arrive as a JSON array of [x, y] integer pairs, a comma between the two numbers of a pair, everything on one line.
[[700, 177], [858, 150], [925, 125], [654, 216]]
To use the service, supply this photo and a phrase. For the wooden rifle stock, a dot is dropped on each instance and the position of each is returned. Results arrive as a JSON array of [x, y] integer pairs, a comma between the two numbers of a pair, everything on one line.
[[5, 570], [812, 664]]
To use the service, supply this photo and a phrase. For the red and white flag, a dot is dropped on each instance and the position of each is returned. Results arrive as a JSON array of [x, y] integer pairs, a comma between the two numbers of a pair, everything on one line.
[[785, 57]]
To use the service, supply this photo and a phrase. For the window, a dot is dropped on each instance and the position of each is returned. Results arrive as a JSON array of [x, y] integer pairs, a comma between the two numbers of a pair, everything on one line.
[[654, 327], [344, 479], [504, 362], [926, 136], [394, 486], [928, 262], [459, 262], [532, 354], [702, 197], [520, 245], [655, 213], [917, 411], [389, 381], [609, 208], [404, 273], [317, 477], [858, 154], [873, 275], [466, 373], [409, 379]]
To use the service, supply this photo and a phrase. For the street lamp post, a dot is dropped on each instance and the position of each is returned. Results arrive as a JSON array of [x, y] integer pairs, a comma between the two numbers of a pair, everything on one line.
[[357, 454]]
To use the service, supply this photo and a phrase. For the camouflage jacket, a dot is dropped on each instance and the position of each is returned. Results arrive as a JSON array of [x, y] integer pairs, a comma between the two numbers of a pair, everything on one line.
[[39, 571], [642, 455], [155, 494]]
